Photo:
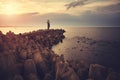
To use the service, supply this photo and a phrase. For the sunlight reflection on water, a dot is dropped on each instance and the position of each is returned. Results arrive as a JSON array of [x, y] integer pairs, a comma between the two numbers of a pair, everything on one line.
[[93, 45]]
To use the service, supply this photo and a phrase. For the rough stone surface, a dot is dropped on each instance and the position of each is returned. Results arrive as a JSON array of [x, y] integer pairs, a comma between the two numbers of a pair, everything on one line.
[[113, 76], [97, 72], [29, 67], [28, 56], [18, 77], [32, 77]]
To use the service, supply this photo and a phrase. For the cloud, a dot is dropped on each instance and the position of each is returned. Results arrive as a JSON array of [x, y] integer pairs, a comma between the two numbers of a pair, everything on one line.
[[90, 13], [58, 19], [76, 3], [112, 8], [26, 6], [30, 14], [94, 6]]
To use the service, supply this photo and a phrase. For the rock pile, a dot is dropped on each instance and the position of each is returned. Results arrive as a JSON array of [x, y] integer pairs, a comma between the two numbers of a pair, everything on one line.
[[29, 56]]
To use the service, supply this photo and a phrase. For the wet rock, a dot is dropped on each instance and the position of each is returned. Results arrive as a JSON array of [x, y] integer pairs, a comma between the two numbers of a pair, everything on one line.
[[65, 72], [80, 68], [97, 72]]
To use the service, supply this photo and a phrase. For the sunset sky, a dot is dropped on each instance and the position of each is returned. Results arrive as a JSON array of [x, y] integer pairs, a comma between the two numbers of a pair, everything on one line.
[[60, 12]]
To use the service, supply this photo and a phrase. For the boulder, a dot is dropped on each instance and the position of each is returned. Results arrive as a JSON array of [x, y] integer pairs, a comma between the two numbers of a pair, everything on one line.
[[82, 70], [1, 47], [89, 79], [37, 57], [73, 75], [17, 77], [40, 62], [82, 73], [42, 68], [23, 54], [48, 77], [32, 76], [7, 65], [18, 56], [11, 64], [65, 72], [97, 72], [46, 53], [29, 67], [113, 76]]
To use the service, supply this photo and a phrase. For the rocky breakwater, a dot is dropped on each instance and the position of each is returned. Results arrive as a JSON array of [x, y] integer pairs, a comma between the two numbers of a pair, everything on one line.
[[29, 56]]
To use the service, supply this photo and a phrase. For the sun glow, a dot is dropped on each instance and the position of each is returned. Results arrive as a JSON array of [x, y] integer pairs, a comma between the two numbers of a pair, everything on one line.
[[10, 8]]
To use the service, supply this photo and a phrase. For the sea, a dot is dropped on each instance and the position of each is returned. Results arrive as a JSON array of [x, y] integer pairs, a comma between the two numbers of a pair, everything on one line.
[[92, 45]]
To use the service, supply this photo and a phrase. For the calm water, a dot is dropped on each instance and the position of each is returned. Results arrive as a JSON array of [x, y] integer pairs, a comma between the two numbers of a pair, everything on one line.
[[92, 45], [100, 33]]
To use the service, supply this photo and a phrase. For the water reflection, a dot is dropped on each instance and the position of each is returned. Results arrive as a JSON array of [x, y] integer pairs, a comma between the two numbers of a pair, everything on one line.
[[93, 45]]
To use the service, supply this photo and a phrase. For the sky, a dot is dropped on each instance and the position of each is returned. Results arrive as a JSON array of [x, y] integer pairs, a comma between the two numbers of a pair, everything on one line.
[[73, 13]]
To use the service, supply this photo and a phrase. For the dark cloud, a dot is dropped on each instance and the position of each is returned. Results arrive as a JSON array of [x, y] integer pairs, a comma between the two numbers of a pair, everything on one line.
[[76, 3], [30, 14], [113, 8]]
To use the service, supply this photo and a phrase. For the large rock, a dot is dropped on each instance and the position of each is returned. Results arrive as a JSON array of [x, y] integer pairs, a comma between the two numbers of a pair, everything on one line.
[[29, 67], [42, 69], [65, 72], [40, 62], [37, 57], [23, 54], [25, 63], [89, 79], [48, 77], [17, 77], [113, 76], [97, 72], [1, 46], [82, 71], [32, 76], [46, 53], [8, 64]]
